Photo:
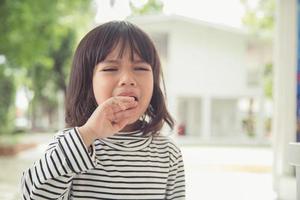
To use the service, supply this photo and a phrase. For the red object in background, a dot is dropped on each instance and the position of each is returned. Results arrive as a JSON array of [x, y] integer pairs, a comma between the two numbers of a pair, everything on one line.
[[181, 129]]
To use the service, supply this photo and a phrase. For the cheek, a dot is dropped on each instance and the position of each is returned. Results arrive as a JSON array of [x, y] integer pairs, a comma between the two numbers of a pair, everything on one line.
[[102, 90], [151, 85], [148, 89]]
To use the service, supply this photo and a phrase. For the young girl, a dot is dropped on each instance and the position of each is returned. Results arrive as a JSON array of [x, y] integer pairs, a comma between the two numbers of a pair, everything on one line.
[[115, 109]]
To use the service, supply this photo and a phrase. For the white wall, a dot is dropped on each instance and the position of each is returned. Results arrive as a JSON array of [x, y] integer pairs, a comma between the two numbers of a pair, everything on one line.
[[206, 61]]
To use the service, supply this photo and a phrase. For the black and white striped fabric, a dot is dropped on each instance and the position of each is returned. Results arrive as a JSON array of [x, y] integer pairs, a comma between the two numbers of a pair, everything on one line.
[[124, 166]]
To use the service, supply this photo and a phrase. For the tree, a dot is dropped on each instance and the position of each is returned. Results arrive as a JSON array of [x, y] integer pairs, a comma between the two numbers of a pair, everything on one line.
[[47, 80], [6, 106], [150, 7], [37, 37], [260, 20], [28, 27]]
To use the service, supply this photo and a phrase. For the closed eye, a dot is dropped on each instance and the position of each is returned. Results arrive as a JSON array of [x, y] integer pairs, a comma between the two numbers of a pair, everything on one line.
[[141, 68], [110, 69]]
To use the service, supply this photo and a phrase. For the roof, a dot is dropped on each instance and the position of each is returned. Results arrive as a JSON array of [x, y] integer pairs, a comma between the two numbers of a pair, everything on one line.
[[163, 18]]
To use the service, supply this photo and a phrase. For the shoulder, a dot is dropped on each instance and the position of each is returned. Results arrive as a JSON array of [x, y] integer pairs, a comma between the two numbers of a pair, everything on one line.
[[60, 133], [171, 145]]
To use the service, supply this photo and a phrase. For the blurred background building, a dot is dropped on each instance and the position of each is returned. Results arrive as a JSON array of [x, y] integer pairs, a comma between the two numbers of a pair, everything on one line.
[[214, 78]]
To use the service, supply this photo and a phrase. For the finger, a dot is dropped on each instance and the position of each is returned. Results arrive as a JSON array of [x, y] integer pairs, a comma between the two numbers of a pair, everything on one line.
[[116, 105], [123, 98], [121, 106], [124, 114], [110, 115], [116, 117], [111, 105]]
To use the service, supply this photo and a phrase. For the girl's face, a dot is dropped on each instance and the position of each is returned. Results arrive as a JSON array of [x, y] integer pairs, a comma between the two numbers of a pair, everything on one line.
[[120, 76]]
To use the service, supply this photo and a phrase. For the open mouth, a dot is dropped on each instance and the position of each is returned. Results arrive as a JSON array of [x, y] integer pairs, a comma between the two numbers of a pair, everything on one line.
[[135, 98]]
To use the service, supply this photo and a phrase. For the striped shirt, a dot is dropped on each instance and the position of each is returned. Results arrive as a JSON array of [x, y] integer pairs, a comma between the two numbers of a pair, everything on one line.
[[124, 166]]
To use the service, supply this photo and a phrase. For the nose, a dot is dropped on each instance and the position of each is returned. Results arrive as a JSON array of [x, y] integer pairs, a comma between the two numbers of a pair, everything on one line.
[[127, 79]]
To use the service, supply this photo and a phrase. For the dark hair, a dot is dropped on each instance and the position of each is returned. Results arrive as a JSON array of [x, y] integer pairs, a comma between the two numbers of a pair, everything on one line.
[[94, 48]]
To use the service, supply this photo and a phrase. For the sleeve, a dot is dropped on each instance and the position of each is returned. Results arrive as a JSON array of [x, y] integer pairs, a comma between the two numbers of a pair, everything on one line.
[[51, 176], [176, 177]]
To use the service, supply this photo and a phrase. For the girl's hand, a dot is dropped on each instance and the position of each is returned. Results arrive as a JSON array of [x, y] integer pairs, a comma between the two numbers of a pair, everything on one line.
[[109, 118]]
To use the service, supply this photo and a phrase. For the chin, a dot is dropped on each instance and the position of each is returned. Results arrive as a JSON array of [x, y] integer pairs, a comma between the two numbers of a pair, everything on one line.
[[131, 122], [133, 125]]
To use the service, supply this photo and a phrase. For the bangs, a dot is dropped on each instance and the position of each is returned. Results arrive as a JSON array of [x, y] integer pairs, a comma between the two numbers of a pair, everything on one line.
[[129, 37]]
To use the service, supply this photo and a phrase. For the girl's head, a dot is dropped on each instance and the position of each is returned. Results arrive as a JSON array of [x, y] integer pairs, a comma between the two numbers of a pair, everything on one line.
[[117, 59]]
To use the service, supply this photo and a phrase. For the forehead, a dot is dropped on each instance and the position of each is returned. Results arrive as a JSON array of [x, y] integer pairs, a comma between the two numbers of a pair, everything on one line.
[[119, 53]]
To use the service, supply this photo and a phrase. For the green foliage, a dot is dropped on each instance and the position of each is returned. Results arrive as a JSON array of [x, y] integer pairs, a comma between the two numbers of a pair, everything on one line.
[[28, 27], [260, 19], [50, 76], [7, 100], [151, 7], [268, 80], [37, 39]]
